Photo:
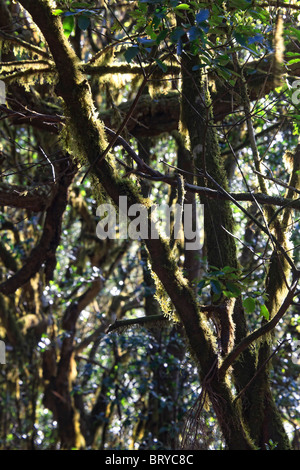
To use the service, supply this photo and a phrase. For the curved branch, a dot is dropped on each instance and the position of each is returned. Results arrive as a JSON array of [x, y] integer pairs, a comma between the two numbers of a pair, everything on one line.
[[263, 330], [45, 250]]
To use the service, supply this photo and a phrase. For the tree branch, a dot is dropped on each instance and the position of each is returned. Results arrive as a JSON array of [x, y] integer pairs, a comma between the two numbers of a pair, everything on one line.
[[26, 45], [153, 320], [44, 252], [263, 330], [33, 199]]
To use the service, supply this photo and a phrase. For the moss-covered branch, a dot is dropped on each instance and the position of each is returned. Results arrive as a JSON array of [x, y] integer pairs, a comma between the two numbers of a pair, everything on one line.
[[23, 44], [25, 72]]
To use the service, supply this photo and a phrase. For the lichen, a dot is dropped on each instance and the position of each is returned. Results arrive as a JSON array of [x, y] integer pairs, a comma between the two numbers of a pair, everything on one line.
[[29, 76], [163, 299]]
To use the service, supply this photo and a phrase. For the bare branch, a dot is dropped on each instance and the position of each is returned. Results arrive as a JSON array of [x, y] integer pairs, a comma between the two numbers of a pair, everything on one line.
[[153, 320]]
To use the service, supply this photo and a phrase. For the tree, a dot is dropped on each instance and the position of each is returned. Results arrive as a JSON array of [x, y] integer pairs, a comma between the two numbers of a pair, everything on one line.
[[94, 93]]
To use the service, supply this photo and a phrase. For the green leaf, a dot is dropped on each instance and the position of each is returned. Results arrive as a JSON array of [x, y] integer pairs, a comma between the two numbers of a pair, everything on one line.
[[293, 61], [223, 59], [264, 312], [295, 31], [233, 288], [83, 22], [229, 269], [68, 25], [224, 72], [240, 4], [57, 12], [131, 53], [228, 294], [249, 304], [161, 65], [182, 6], [292, 54], [261, 14], [201, 284], [242, 39], [161, 36], [216, 286], [213, 268]]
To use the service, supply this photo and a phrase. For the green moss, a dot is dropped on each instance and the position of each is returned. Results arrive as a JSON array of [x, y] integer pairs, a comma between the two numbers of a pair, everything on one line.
[[98, 190], [163, 299], [129, 188]]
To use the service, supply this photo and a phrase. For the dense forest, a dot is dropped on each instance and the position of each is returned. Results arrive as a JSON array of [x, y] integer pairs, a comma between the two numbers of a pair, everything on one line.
[[178, 334]]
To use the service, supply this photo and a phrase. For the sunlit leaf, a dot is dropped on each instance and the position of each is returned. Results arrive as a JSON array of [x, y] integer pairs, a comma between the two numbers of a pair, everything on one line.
[[68, 25], [264, 312], [57, 12], [182, 6], [249, 304]]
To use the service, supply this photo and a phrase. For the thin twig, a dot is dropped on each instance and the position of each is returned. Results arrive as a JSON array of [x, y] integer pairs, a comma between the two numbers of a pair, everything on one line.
[[50, 163], [261, 226], [244, 244], [279, 182]]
